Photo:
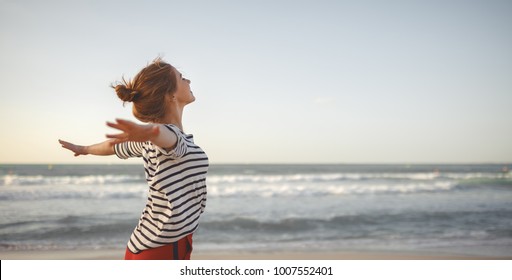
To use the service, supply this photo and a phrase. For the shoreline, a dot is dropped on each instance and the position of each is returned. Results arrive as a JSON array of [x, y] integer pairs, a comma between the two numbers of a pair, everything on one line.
[[117, 254]]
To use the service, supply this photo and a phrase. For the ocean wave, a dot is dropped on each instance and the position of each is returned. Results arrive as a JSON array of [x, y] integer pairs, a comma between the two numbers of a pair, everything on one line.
[[70, 226], [17, 187], [40, 180], [340, 177], [230, 179], [13, 193], [214, 190], [496, 183], [304, 189], [455, 224], [76, 235]]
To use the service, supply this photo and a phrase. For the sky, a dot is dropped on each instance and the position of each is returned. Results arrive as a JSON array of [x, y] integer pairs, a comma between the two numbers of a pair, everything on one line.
[[276, 81]]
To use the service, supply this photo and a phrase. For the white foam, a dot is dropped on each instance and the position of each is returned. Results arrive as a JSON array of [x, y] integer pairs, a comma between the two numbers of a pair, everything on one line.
[[16, 180]]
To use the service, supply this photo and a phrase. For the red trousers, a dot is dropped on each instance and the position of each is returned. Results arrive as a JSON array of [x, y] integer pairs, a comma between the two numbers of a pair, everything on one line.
[[179, 250]]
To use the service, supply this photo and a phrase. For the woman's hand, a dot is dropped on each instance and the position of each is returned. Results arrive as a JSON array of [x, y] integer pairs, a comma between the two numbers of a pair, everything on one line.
[[77, 149], [105, 148], [132, 132]]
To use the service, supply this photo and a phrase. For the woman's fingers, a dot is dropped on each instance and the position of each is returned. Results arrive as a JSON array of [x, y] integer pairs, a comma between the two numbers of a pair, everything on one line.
[[121, 124], [116, 126], [66, 145], [119, 137], [125, 122], [130, 131], [77, 150]]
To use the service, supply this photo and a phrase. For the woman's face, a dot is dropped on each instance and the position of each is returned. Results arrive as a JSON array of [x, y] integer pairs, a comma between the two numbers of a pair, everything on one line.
[[183, 93]]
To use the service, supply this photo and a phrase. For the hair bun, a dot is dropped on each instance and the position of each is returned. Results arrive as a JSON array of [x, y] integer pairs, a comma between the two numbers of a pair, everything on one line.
[[126, 94]]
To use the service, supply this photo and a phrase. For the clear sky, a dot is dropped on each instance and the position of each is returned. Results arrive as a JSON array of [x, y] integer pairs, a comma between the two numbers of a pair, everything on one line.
[[276, 81]]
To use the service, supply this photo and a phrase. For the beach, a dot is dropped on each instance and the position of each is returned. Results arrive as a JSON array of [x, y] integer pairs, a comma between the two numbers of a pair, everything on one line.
[[91, 264], [119, 254]]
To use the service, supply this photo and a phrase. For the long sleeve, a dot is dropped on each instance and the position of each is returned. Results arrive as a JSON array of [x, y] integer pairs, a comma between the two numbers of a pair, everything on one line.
[[128, 149]]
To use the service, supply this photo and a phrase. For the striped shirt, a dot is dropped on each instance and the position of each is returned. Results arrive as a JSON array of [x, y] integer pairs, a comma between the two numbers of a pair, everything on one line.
[[177, 190]]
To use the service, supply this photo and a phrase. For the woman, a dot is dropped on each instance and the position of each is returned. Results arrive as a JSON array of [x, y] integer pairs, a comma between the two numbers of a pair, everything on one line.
[[175, 167]]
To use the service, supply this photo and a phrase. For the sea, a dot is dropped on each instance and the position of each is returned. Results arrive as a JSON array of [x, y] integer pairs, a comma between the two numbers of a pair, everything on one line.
[[435, 208]]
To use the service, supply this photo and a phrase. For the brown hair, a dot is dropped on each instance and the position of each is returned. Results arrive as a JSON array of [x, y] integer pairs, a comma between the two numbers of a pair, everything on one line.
[[148, 90]]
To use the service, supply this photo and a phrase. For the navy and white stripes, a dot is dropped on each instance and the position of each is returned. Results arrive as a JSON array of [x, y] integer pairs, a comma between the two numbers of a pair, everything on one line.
[[177, 190]]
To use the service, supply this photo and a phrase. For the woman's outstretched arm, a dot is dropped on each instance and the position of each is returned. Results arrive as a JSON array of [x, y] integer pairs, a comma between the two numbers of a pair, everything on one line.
[[130, 131], [105, 148]]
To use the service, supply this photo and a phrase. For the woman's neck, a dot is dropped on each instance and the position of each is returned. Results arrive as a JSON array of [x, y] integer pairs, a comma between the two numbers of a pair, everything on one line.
[[174, 116]]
